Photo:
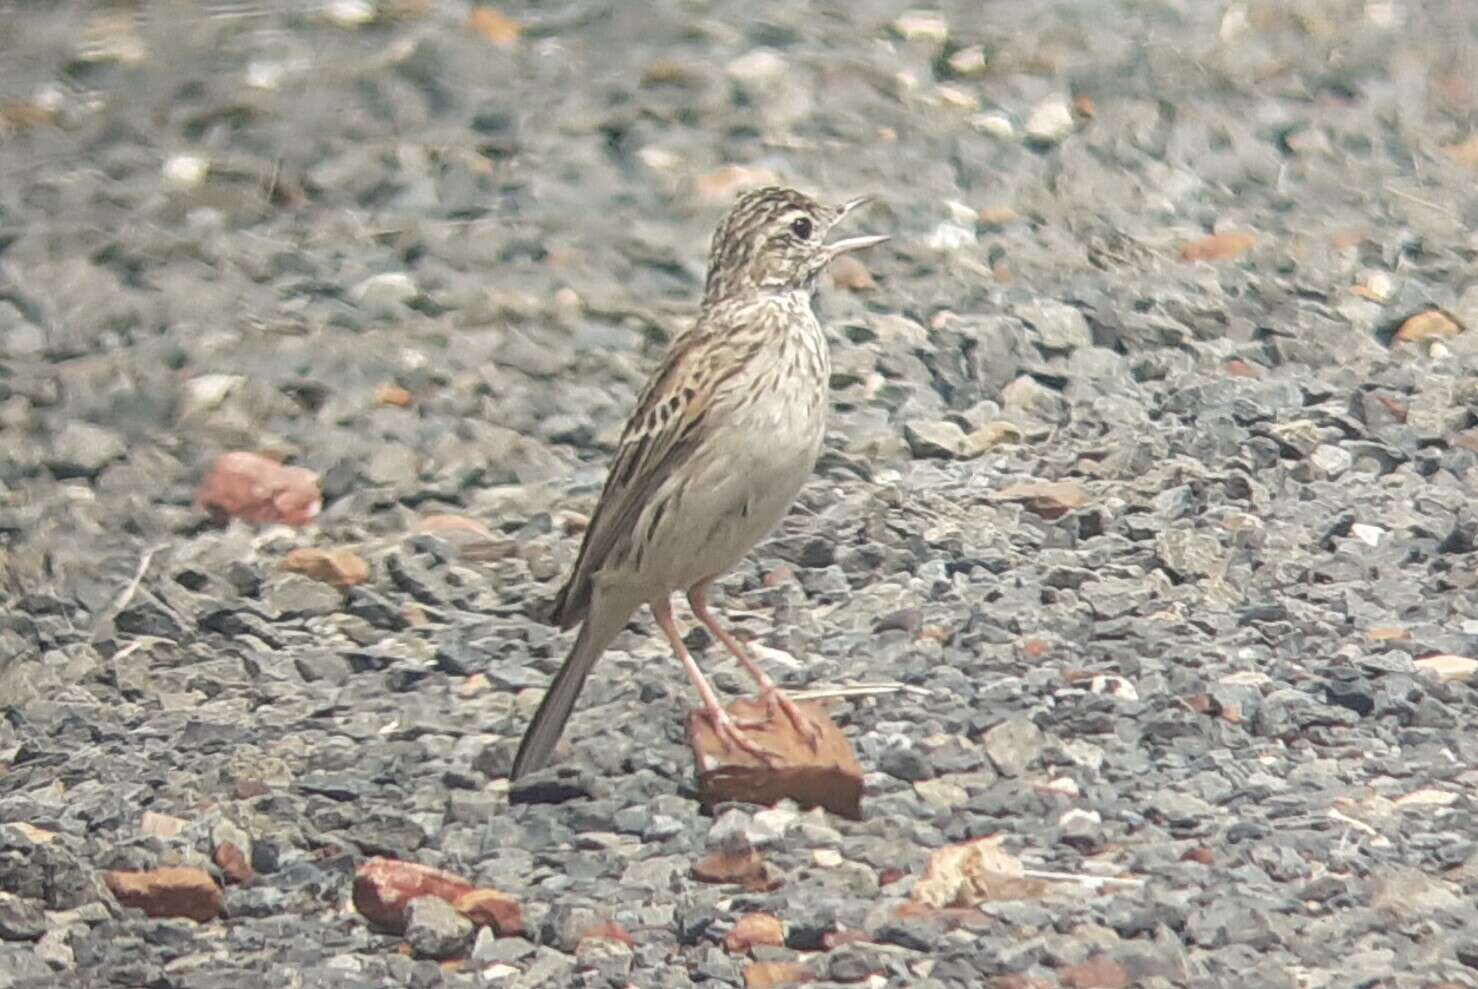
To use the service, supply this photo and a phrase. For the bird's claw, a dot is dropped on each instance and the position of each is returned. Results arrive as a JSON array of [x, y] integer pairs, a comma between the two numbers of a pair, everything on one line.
[[774, 698], [731, 735]]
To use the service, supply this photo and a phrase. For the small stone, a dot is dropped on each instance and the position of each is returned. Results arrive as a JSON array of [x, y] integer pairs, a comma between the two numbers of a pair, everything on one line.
[[1050, 121], [772, 975], [723, 184], [1331, 461], [1434, 324], [495, 26], [754, 929], [756, 67], [744, 867], [1098, 972], [392, 464], [1425, 798], [937, 439], [921, 25], [1013, 745], [1374, 285], [387, 291], [393, 395], [340, 568], [990, 436], [997, 125], [1412, 894], [20, 919], [604, 930], [185, 171], [348, 13], [434, 929], [971, 873], [551, 785], [941, 794], [232, 862], [1218, 247], [968, 61], [1464, 152], [1027, 394], [848, 272], [82, 449], [205, 392], [254, 488], [1446, 667], [176, 891], [384, 889], [950, 237], [1058, 327], [609, 958], [441, 524], [826, 775], [1049, 499], [1186, 553], [997, 216], [53, 949], [293, 594], [492, 909], [161, 825]]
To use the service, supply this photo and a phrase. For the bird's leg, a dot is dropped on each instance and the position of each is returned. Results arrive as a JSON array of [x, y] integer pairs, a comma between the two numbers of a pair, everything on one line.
[[772, 695], [729, 733]]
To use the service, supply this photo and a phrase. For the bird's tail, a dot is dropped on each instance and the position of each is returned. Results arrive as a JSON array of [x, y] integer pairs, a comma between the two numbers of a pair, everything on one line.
[[606, 618]]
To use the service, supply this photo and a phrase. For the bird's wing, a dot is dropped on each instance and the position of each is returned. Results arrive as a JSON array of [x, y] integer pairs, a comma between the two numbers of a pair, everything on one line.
[[664, 431]]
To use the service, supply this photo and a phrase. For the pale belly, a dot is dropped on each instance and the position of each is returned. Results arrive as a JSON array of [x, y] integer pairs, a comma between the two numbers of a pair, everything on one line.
[[737, 490]]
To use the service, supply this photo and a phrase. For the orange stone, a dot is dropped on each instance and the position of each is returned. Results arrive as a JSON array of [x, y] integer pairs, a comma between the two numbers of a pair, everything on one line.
[[177, 891], [752, 929], [742, 866], [1218, 247], [827, 776], [340, 567], [768, 975]]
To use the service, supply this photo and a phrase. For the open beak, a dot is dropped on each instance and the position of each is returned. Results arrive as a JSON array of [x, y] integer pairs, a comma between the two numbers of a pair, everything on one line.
[[854, 243]]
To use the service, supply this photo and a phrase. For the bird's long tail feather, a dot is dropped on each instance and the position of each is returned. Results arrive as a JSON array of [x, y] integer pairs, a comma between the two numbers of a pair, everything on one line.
[[607, 617]]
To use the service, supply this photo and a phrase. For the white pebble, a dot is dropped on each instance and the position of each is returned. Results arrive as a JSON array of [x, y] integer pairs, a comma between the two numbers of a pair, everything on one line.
[[386, 289], [659, 159], [925, 25], [1330, 460], [185, 171], [759, 66], [349, 13], [995, 124], [1370, 535], [1050, 121], [950, 237]]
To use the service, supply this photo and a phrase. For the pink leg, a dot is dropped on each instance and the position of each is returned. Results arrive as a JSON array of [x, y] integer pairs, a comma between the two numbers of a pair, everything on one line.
[[728, 732], [772, 695]]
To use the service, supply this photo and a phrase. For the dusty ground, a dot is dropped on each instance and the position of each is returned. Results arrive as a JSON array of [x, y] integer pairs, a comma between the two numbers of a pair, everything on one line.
[[1164, 254]]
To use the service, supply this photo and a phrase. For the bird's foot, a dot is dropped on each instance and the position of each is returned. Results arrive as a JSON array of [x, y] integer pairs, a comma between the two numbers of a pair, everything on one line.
[[773, 698], [731, 734]]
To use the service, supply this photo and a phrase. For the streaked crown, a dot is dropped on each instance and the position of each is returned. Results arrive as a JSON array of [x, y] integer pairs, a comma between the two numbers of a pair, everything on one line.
[[774, 240]]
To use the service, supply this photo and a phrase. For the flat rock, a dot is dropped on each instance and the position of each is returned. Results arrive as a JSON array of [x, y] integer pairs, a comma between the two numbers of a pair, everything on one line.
[[827, 776]]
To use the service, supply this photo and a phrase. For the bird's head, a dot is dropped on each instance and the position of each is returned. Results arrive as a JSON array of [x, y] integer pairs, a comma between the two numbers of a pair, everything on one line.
[[775, 240]]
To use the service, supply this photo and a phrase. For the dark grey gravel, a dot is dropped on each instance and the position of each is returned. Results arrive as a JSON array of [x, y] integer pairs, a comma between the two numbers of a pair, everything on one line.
[[434, 270]]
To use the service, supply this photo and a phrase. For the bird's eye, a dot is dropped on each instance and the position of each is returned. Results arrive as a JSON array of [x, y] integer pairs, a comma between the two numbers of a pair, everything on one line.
[[801, 228]]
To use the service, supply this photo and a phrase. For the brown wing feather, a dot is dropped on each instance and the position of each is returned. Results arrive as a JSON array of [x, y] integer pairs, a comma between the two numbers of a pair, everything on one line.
[[660, 434]]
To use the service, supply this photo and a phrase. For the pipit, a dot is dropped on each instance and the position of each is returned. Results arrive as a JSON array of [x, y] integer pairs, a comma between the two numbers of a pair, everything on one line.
[[724, 435]]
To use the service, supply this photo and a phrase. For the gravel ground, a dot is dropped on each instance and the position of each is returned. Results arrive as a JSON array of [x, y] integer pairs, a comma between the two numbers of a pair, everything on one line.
[[1163, 256]]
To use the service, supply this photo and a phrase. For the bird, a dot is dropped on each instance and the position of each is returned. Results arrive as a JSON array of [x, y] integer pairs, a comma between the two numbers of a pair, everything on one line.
[[724, 434]]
